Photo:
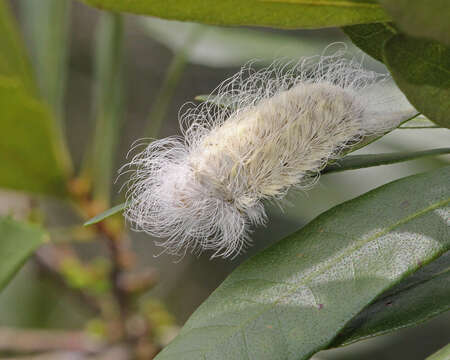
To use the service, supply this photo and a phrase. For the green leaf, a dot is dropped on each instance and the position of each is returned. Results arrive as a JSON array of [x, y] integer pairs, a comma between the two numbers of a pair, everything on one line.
[[352, 162], [421, 70], [46, 25], [105, 214], [292, 299], [418, 298], [274, 13], [421, 18], [13, 60], [370, 38], [32, 154], [442, 354], [17, 243]]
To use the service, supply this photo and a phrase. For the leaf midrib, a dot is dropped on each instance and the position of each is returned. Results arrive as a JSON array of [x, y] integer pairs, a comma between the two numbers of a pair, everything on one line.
[[327, 265]]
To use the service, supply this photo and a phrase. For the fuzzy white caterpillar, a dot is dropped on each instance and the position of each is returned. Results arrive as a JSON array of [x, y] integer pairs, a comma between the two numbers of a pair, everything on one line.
[[282, 125]]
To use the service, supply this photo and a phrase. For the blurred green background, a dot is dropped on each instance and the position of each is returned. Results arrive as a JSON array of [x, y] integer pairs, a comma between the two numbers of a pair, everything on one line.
[[200, 57]]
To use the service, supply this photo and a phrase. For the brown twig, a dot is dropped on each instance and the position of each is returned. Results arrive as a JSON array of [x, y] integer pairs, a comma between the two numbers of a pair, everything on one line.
[[114, 353], [124, 284], [20, 340], [49, 260], [121, 259], [53, 355]]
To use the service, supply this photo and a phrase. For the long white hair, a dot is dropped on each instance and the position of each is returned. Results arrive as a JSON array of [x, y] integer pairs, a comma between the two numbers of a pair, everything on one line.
[[259, 134]]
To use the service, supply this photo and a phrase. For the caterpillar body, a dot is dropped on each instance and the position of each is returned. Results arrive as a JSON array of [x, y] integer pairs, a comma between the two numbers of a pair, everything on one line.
[[281, 125]]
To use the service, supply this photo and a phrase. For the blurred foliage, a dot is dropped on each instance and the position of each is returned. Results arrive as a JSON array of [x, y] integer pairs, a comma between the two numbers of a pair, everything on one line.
[[32, 153], [30, 156], [92, 277], [45, 26], [216, 46], [164, 323], [18, 242], [13, 60], [108, 110]]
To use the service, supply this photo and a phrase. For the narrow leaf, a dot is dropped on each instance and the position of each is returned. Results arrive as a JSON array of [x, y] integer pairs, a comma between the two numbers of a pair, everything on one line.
[[17, 242], [292, 299], [274, 13], [352, 162], [110, 212]]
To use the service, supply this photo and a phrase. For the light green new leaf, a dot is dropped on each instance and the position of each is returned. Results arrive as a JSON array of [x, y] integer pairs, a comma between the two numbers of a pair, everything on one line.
[[421, 18], [32, 154], [292, 299], [418, 298], [442, 354], [274, 13], [17, 243], [421, 70]]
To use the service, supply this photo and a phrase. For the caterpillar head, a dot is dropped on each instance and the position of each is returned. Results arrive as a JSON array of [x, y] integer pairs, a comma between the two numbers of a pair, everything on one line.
[[172, 199]]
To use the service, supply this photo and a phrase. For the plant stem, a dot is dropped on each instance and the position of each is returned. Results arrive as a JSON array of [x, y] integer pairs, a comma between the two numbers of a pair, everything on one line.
[[120, 259], [165, 94], [170, 83], [109, 104]]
